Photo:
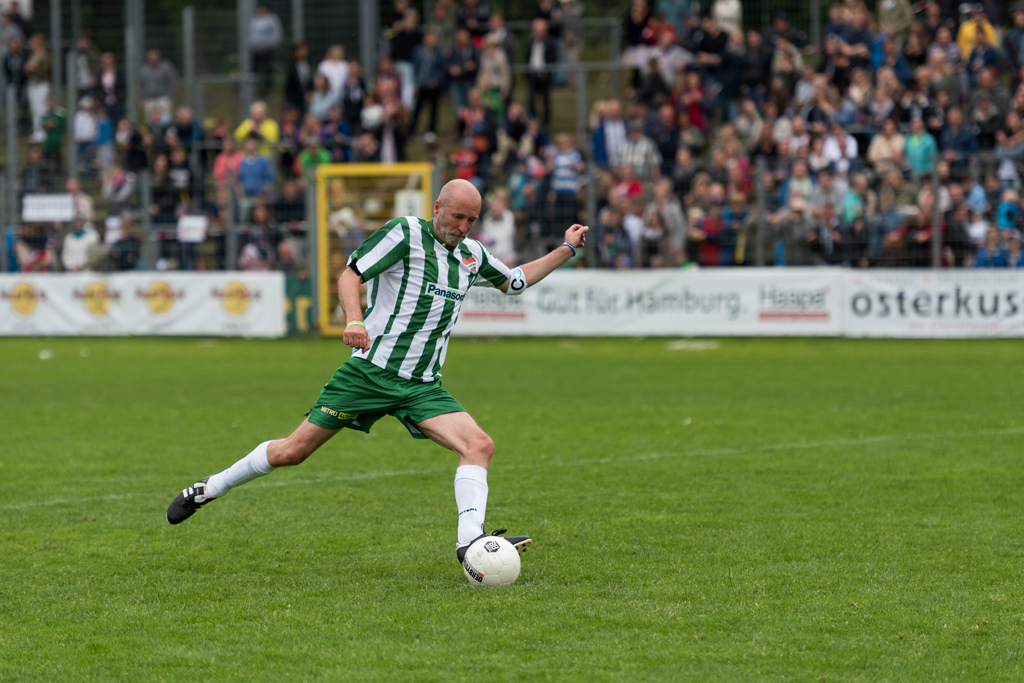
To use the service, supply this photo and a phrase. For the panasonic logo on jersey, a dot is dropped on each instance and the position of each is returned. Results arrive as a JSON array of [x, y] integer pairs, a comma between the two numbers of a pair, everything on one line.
[[445, 292]]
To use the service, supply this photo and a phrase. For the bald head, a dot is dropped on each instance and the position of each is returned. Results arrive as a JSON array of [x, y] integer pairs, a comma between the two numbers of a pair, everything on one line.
[[456, 211], [458, 190]]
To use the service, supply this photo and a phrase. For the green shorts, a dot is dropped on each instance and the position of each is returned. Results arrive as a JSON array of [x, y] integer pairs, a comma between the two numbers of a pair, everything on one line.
[[360, 393]]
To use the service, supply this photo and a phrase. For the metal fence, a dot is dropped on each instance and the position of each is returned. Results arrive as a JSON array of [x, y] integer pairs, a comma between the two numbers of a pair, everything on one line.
[[210, 70], [703, 219], [178, 153], [151, 198]]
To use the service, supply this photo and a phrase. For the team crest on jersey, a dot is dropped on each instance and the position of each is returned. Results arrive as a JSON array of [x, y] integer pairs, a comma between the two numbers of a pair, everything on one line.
[[471, 263]]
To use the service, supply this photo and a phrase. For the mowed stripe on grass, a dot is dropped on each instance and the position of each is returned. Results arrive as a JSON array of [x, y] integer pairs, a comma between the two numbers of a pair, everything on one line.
[[763, 510], [713, 452]]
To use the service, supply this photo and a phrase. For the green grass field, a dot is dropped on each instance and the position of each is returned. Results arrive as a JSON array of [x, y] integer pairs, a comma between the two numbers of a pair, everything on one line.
[[793, 510]]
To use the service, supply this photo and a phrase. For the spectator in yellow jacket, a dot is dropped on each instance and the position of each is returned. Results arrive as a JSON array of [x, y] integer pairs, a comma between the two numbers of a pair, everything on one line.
[[261, 127], [966, 37]]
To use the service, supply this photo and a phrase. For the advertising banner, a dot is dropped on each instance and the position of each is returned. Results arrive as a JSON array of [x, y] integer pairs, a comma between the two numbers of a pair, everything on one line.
[[726, 302], [934, 304], [742, 302], [298, 304], [151, 303]]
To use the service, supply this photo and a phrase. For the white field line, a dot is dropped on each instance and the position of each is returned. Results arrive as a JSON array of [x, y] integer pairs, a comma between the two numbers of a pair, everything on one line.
[[696, 453], [68, 501]]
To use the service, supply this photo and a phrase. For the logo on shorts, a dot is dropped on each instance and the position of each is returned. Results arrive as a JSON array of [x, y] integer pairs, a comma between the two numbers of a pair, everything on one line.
[[445, 292], [337, 413], [491, 546]]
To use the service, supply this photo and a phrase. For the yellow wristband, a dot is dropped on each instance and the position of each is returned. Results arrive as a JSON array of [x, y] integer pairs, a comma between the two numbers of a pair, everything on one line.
[[355, 322]]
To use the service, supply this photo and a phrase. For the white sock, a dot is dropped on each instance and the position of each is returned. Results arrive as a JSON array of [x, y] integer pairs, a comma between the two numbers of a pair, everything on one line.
[[471, 498], [250, 467]]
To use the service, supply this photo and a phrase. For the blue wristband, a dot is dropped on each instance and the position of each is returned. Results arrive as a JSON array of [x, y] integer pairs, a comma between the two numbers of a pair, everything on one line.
[[566, 244]]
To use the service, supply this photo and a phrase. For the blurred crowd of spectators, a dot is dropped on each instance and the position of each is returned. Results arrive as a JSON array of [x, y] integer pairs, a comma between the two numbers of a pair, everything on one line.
[[850, 134], [729, 140]]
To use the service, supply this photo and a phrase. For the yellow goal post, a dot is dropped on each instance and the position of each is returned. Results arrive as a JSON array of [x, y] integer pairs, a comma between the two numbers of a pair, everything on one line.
[[353, 201]]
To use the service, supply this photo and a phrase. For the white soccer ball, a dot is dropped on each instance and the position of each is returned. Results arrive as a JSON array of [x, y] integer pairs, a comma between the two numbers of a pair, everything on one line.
[[490, 562]]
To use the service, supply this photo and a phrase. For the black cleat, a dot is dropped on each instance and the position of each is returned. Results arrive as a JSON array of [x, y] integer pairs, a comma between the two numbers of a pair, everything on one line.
[[187, 502], [520, 543]]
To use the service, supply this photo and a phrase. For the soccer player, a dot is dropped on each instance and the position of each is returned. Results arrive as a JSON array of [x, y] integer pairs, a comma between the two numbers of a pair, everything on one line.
[[417, 274]]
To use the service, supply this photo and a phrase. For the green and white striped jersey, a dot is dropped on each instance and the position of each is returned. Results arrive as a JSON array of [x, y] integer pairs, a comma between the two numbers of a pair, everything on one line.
[[415, 289]]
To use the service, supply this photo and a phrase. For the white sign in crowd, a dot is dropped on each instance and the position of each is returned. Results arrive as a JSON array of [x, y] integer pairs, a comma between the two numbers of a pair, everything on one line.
[[727, 302]]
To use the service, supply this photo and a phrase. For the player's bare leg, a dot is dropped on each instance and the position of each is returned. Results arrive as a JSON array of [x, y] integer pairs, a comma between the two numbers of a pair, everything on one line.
[[263, 460], [301, 444], [459, 432]]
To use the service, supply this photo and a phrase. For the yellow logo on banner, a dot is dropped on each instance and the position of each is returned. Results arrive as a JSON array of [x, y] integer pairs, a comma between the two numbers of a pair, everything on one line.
[[23, 298], [160, 298], [97, 298], [235, 298]]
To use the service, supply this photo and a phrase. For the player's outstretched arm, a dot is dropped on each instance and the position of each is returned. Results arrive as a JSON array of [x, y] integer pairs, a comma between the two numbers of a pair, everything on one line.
[[535, 271], [356, 335]]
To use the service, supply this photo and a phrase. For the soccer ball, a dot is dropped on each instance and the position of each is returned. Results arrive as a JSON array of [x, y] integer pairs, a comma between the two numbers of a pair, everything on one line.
[[490, 562]]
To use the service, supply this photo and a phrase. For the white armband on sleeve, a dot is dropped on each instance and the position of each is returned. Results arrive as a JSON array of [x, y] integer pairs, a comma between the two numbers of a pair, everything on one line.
[[517, 283]]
